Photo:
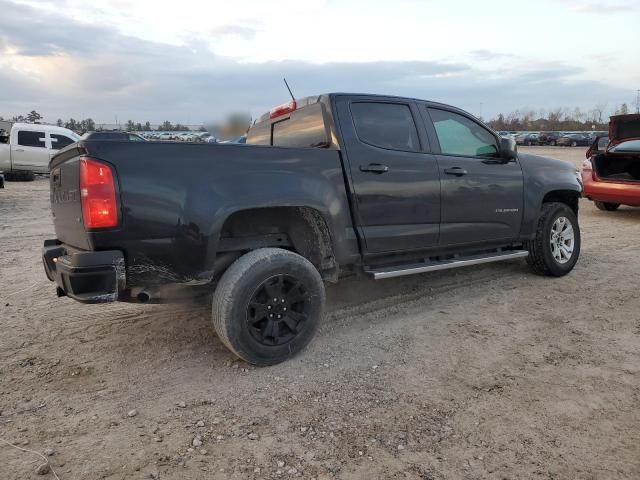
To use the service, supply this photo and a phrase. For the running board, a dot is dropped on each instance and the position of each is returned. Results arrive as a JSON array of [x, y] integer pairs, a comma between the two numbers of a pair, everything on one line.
[[379, 274]]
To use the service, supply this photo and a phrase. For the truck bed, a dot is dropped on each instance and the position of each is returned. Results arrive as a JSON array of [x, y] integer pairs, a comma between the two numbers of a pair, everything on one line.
[[174, 199]]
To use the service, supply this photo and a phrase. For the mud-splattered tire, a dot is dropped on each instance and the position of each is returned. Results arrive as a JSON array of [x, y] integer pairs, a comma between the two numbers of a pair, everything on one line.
[[268, 305], [606, 206], [547, 252]]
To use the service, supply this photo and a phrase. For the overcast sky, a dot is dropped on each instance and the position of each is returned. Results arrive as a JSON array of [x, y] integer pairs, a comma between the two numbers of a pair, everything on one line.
[[198, 61]]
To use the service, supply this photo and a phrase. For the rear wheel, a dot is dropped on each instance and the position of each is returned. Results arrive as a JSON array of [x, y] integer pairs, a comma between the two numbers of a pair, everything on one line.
[[268, 305], [574, 144], [552, 143], [556, 248], [606, 206]]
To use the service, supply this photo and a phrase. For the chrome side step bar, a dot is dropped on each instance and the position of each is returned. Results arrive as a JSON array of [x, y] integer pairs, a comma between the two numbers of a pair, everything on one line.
[[379, 274]]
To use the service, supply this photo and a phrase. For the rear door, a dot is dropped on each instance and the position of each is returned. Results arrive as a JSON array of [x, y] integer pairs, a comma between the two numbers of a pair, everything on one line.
[[59, 141], [393, 175], [30, 152], [482, 196]]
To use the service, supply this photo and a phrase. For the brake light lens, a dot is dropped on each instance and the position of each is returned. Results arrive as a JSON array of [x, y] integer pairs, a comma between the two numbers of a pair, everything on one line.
[[97, 194], [283, 109], [586, 165]]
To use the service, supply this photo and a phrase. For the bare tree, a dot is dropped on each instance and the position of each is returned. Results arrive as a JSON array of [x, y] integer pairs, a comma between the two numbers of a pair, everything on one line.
[[600, 111], [554, 117]]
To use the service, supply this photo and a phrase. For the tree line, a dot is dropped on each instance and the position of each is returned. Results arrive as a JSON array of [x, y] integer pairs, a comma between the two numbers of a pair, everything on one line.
[[560, 118], [89, 125]]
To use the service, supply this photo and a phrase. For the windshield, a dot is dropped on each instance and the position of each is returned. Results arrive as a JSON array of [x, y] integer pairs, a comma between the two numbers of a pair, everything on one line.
[[628, 146]]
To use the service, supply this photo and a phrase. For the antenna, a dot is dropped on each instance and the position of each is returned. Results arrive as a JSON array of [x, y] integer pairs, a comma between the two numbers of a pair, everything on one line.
[[290, 92]]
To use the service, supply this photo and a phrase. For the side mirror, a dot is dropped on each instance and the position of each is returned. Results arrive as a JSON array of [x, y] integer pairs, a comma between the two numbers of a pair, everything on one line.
[[508, 149]]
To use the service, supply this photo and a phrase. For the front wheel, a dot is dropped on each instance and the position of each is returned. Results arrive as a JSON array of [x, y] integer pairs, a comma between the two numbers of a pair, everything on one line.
[[606, 206], [574, 144], [552, 143], [268, 305], [556, 247]]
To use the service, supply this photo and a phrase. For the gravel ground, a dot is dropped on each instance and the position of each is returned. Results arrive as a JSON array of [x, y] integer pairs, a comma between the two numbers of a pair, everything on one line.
[[484, 372]]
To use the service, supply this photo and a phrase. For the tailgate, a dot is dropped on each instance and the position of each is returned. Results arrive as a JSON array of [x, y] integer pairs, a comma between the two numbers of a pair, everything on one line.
[[65, 198]]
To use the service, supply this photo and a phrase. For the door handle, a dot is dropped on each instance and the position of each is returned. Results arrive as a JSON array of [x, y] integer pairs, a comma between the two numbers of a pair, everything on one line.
[[457, 171], [374, 168], [19, 150]]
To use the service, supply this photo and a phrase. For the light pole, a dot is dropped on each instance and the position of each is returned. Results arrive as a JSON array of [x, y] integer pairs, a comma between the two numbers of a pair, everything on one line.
[[638, 101]]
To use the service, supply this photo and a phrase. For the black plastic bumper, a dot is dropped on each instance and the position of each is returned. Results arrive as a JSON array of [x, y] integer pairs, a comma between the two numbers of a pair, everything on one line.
[[88, 277]]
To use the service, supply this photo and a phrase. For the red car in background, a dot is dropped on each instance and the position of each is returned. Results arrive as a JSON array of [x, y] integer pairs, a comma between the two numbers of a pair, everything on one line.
[[611, 172]]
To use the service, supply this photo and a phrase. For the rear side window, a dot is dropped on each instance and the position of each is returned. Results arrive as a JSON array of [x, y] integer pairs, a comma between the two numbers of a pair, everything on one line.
[[31, 139], [304, 128], [60, 141], [386, 125], [459, 135]]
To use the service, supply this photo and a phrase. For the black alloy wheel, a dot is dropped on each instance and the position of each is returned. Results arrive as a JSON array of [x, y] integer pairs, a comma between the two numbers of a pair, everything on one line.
[[268, 305], [278, 310]]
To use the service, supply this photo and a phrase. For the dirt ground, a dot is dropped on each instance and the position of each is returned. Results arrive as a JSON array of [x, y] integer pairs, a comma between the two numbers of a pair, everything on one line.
[[484, 372]]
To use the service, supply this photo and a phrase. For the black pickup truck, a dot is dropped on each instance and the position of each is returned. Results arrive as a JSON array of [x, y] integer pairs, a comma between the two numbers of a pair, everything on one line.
[[326, 186]]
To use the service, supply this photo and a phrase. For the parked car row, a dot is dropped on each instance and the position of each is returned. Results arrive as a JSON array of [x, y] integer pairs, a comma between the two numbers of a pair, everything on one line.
[[563, 139], [179, 136], [574, 140], [27, 148], [151, 136]]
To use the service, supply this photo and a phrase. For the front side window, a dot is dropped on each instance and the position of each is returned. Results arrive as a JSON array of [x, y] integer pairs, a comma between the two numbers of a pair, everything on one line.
[[60, 141], [459, 135], [27, 138], [386, 125]]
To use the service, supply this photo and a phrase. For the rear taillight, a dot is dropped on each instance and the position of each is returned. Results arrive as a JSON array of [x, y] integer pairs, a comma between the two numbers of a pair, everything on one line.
[[98, 194], [586, 165]]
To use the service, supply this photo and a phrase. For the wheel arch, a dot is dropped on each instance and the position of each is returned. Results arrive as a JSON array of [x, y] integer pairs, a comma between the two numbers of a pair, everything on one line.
[[301, 229], [566, 196]]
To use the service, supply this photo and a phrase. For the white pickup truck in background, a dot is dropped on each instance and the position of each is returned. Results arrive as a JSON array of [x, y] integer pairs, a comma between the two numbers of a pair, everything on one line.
[[27, 148]]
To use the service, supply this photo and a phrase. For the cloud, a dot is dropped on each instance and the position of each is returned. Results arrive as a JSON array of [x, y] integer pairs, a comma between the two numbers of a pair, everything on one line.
[[600, 7], [237, 30], [63, 67], [484, 54]]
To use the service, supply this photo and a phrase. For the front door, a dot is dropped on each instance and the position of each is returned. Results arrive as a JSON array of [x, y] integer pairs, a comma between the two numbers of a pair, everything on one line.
[[394, 177], [481, 193]]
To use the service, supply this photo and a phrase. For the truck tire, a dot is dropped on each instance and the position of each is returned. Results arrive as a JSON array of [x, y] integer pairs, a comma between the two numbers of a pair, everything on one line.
[[606, 206], [268, 305], [19, 176], [556, 247]]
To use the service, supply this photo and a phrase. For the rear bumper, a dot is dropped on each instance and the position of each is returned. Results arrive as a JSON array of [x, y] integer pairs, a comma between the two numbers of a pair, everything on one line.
[[88, 277], [625, 193]]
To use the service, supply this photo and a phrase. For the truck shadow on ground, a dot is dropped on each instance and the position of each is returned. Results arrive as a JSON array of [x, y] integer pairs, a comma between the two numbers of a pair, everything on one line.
[[175, 332]]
